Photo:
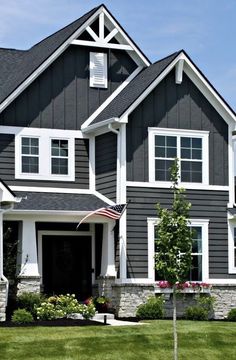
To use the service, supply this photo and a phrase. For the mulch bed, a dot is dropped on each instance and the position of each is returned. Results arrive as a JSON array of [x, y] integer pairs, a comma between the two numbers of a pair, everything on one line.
[[57, 322]]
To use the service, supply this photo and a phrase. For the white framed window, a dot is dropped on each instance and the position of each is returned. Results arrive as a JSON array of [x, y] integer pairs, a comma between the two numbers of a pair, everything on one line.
[[48, 156], [232, 247], [190, 147], [200, 266], [98, 70]]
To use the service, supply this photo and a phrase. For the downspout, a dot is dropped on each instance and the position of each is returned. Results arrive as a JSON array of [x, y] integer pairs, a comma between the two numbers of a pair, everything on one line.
[[2, 276]]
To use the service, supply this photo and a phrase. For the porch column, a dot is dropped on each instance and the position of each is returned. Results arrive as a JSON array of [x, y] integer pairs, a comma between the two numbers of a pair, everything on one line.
[[108, 251], [29, 273]]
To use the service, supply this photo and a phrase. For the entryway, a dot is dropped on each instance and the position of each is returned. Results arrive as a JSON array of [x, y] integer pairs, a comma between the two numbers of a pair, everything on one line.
[[67, 265]]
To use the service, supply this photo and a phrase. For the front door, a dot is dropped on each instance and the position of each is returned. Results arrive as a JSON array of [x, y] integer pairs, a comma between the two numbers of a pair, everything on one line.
[[67, 265]]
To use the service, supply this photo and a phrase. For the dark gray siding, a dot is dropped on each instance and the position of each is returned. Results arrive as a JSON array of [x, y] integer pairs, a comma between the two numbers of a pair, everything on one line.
[[106, 158], [61, 98], [7, 165], [181, 107], [206, 204]]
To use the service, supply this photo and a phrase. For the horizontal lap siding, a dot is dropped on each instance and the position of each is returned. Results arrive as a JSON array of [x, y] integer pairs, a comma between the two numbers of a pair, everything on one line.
[[61, 98], [205, 205], [7, 165], [105, 168]]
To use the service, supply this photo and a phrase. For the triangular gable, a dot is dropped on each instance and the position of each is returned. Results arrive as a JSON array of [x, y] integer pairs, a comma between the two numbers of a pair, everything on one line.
[[43, 54], [137, 91]]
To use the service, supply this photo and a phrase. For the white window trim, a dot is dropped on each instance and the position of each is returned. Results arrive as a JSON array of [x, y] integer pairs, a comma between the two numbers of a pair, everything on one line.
[[204, 135], [45, 155], [204, 223], [231, 247], [92, 82]]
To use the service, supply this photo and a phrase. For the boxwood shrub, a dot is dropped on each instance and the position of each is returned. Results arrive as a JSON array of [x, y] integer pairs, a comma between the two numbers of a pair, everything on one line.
[[22, 316], [232, 315], [152, 309]]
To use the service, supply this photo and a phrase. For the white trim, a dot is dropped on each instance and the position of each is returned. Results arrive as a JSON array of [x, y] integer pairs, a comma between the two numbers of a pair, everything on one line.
[[44, 156], [198, 80], [47, 62], [179, 71], [99, 44], [55, 216], [101, 26], [6, 195], [42, 233], [92, 185], [96, 126], [111, 97], [92, 33], [103, 198], [140, 281], [166, 185], [19, 130], [111, 35], [231, 159], [204, 223], [51, 190], [231, 247], [204, 135]]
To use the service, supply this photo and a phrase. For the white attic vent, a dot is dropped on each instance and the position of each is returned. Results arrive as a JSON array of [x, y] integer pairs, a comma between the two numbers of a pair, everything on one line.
[[98, 70]]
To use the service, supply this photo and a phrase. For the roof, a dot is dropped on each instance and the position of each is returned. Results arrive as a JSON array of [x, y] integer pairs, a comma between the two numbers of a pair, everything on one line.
[[134, 89], [17, 65], [42, 201]]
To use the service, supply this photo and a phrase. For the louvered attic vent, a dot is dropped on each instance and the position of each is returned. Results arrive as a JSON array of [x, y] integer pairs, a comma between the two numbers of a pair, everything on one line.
[[98, 70]]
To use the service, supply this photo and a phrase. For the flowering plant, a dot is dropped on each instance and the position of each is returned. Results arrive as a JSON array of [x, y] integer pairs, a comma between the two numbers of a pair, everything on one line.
[[163, 284]]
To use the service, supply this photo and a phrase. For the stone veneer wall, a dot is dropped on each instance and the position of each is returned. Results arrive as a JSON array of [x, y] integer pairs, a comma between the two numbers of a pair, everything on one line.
[[127, 297], [28, 284], [3, 294]]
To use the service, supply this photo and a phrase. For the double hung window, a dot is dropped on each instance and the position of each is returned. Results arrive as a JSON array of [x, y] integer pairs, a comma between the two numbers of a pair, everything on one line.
[[30, 155], [191, 148]]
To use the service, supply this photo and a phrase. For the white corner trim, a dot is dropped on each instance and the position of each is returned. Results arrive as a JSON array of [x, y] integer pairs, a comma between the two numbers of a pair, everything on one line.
[[179, 71], [111, 97], [92, 163], [231, 166], [231, 247]]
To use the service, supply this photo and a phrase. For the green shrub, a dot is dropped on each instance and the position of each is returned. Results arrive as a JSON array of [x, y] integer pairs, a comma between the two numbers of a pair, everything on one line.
[[152, 309], [30, 302], [22, 316], [60, 306], [232, 315], [196, 313]]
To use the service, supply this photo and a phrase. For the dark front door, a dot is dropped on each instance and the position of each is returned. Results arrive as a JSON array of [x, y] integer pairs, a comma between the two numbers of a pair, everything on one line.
[[67, 265]]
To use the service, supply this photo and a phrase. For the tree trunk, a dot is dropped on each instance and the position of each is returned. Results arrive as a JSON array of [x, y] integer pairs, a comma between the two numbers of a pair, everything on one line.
[[175, 326]]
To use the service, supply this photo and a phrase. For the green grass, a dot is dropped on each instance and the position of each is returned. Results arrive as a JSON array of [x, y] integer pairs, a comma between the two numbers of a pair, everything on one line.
[[197, 340]]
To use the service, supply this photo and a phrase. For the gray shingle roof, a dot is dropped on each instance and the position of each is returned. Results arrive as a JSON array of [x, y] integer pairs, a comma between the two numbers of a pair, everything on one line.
[[17, 65], [134, 89], [57, 201]]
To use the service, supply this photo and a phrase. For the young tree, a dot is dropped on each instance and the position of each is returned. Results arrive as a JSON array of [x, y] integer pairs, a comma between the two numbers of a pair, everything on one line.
[[174, 243]]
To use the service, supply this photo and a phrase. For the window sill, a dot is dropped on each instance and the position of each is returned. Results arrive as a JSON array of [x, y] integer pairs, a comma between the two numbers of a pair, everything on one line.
[[159, 290]]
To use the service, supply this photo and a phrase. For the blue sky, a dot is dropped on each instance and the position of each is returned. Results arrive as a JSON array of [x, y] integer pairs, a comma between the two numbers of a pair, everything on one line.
[[206, 29]]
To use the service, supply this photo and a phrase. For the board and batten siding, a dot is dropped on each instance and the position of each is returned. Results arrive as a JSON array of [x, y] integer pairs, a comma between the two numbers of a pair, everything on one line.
[[105, 164], [206, 204], [60, 98], [7, 166], [180, 107]]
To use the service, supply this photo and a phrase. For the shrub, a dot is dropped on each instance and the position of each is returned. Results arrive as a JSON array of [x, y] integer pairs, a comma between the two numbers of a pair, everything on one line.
[[196, 313], [102, 303], [232, 315], [30, 302], [60, 306], [22, 316], [152, 309]]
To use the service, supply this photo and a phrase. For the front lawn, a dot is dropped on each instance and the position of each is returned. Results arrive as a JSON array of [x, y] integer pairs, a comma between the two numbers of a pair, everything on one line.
[[197, 340]]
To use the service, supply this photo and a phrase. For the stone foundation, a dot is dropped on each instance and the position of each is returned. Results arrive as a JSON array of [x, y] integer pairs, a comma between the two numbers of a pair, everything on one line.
[[3, 294], [225, 296], [105, 284], [28, 284], [127, 297]]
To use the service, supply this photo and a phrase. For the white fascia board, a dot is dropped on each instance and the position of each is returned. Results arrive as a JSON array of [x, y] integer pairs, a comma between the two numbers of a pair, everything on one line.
[[111, 97], [17, 130], [48, 62], [128, 40], [200, 82], [93, 127], [6, 195]]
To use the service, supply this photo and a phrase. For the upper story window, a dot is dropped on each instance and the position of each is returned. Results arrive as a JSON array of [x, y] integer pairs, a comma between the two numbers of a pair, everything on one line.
[[30, 155], [98, 70], [190, 147], [44, 157]]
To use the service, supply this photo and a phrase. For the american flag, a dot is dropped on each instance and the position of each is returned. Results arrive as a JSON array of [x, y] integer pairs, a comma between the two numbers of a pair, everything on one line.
[[113, 212]]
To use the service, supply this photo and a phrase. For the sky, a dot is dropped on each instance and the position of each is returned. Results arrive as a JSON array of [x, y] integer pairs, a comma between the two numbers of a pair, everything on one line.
[[205, 29]]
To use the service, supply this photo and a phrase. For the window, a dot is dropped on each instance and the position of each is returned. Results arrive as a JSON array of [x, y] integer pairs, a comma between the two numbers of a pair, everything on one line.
[[98, 70], [30, 155], [45, 157], [199, 270], [191, 148], [59, 153]]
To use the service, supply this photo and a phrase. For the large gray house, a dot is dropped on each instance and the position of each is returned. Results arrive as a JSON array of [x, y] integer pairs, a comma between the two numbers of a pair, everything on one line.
[[86, 121]]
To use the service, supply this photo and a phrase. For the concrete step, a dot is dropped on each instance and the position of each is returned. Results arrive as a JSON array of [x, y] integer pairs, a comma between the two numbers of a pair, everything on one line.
[[100, 316]]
